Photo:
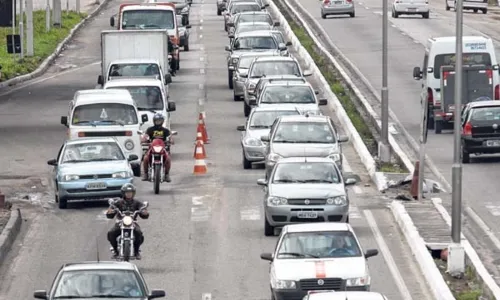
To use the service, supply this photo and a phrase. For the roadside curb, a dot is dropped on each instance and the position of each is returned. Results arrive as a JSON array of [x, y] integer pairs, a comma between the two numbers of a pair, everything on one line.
[[428, 268], [10, 232], [49, 60]]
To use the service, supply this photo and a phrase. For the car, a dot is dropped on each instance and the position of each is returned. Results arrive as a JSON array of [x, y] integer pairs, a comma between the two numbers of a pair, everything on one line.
[[254, 41], [315, 257], [304, 189], [251, 17], [140, 88], [410, 7], [90, 169], [183, 35], [337, 7], [258, 124], [269, 66], [239, 7], [241, 68], [247, 27], [473, 5], [263, 81], [304, 136], [296, 93], [117, 280], [281, 40], [331, 295], [221, 6], [182, 8], [480, 129]]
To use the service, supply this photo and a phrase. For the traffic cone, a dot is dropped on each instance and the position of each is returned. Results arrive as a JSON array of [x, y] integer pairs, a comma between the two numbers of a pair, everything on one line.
[[199, 144], [203, 127], [200, 167], [414, 181]]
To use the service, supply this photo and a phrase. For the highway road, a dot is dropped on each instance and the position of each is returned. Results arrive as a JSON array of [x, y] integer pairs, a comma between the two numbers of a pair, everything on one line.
[[205, 233]]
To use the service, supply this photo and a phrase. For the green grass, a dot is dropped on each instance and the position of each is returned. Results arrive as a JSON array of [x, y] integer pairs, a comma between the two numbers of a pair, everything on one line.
[[469, 295], [44, 43]]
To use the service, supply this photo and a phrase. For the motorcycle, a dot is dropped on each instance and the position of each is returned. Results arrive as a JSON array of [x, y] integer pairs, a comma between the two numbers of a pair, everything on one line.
[[127, 225], [146, 142], [156, 164]]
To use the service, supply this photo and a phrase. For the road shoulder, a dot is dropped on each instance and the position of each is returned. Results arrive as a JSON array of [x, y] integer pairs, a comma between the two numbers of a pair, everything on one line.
[[10, 230]]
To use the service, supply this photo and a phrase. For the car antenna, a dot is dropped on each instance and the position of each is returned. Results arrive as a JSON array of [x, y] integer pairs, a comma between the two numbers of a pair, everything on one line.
[[97, 249]]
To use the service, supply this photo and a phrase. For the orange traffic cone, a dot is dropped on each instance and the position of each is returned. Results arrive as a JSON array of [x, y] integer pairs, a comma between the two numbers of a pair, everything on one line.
[[414, 181], [203, 127], [200, 167], [199, 144]]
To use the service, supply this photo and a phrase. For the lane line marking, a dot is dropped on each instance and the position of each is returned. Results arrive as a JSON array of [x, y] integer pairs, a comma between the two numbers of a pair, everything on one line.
[[206, 296], [345, 165], [250, 213], [357, 189], [202, 71], [391, 264], [483, 226], [201, 27], [202, 58], [354, 213], [202, 48], [200, 86], [201, 36]]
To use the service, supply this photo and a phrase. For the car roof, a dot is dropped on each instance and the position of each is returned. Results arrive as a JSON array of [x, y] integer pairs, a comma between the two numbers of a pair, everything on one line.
[[484, 103], [299, 159], [95, 265], [147, 6], [282, 78], [277, 58], [134, 81], [256, 33], [135, 61], [347, 295], [281, 107], [91, 140], [248, 24], [244, 3], [452, 39], [288, 83], [304, 118], [254, 12], [104, 96], [315, 227]]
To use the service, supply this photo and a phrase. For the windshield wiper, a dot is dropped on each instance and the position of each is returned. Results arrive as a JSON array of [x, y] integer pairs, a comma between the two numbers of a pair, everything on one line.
[[113, 121], [298, 254], [84, 122], [285, 181], [75, 161], [102, 159], [70, 297], [260, 126], [262, 48], [289, 142], [317, 180], [147, 109]]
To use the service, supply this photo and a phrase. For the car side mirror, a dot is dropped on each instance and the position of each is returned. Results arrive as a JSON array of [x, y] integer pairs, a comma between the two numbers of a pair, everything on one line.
[[188, 26], [157, 294], [417, 73], [276, 24], [323, 101], [144, 118], [266, 5], [112, 21], [140, 132], [52, 162], [243, 75], [132, 157], [40, 294], [343, 139], [266, 256], [350, 181], [231, 36], [288, 44], [265, 138], [252, 102], [227, 48], [64, 121], [371, 252], [241, 128], [171, 106], [282, 47], [168, 79], [100, 80], [307, 73], [261, 182], [316, 92]]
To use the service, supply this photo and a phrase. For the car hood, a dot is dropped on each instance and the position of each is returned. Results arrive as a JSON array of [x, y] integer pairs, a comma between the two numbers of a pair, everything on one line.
[[306, 190], [238, 53], [307, 150], [296, 269], [94, 168], [311, 108], [257, 133]]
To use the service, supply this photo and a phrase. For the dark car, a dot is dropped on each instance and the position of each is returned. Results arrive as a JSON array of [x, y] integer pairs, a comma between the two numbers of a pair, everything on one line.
[[480, 129], [183, 34], [182, 7], [110, 280]]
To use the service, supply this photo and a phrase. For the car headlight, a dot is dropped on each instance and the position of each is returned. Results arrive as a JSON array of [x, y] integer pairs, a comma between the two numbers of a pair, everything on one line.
[[252, 142], [129, 145], [276, 201], [339, 200], [127, 220], [273, 157], [358, 281], [70, 177], [157, 148], [335, 156], [123, 174], [284, 285], [234, 60]]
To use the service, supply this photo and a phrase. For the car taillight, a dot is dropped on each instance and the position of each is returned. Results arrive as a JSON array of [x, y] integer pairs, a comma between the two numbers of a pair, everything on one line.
[[430, 97], [467, 129], [326, 2], [128, 133], [497, 92], [349, 1], [81, 134]]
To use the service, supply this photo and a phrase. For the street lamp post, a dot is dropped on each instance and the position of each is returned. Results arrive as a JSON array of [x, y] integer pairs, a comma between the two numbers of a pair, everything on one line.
[[384, 149]]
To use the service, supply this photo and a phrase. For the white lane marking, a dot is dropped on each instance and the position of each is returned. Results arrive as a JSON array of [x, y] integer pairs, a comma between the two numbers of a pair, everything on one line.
[[354, 213], [200, 86], [366, 7], [416, 42], [357, 190], [22, 86], [201, 36], [402, 33], [201, 21], [201, 102], [493, 209], [345, 165], [201, 27], [391, 264], [206, 296], [483, 226], [199, 211], [250, 213], [202, 48], [202, 58], [202, 71]]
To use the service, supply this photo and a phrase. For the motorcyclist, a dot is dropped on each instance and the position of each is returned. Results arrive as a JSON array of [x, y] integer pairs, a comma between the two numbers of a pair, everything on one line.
[[173, 63], [127, 203], [157, 132]]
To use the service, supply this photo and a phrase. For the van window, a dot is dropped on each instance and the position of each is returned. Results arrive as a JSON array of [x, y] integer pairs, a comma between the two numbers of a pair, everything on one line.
[[148, 19], [146, 97], [468, 59], [104, 114], [134, 70]]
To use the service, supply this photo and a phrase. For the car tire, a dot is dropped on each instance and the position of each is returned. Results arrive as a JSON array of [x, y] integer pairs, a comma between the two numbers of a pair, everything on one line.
[[392, 12], [230, 79], [396, 15], [425, 15], [61, 201], [137, 170], [268, 229], [186, 46], [438, 127], [447, 7], [465, 155], [246, 109], [236, 98], [475, 11], [323, 16], [352, 15], [219, 12], [485, 11], [247, 165], [178, 64], [347, 220]]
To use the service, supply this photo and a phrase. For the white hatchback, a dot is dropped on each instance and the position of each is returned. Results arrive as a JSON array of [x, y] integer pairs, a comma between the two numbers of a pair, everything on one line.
[[410, 7], [321, 295]]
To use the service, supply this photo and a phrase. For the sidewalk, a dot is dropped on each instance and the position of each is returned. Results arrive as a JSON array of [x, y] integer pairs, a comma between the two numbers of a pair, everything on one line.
[[85, 5]]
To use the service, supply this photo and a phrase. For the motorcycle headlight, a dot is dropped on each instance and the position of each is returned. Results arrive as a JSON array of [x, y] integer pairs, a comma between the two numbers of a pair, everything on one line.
[[339, 200], [127, 221], [157, 148], [70, 177], [358, 281], [234, 60], [120, 175], [129, 145], [273, 157], [252, 142], [335, 156], [284, 285], [276, 201]]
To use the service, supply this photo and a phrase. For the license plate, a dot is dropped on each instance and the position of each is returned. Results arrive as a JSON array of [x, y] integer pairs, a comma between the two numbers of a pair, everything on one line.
[[493, 143], [96, 186], [307, 215], [411, 9], [337, 2]]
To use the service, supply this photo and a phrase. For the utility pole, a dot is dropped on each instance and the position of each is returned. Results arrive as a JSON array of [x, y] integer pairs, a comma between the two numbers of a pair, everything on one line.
[[423, 140], [47, 16], [78, 6], [56, 13], [29, 27], [21, 26], [14, 4], [383, 147]]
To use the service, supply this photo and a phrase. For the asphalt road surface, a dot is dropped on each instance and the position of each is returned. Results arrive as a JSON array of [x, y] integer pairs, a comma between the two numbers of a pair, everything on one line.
[[205, 233]]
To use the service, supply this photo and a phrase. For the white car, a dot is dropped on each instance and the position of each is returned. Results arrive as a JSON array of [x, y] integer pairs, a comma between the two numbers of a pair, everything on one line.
[[329, 295], [410, 7], [317, 256]]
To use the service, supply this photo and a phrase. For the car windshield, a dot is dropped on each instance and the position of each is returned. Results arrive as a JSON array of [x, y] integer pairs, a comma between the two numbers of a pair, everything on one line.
[[239, 8], [146, 97], [288, 94], [255, 42], [279, 37], [488, 113], [468, 59], [252, 27], [304, 132], [86, 152], [104, 114], [134, 70], [179, 20], [300, 245], [275, 68], [245, 61], [264, 119], [256, 18], [99, 284], [306, 172], [148, 19]]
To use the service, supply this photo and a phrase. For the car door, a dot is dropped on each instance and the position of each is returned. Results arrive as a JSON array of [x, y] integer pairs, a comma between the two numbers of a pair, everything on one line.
[[336, 135], [55, 169], [271, 134]]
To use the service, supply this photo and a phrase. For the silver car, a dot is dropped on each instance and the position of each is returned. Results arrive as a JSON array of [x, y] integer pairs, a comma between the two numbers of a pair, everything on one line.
[[238, 6], [304, 189], [250, 17], [247, 27], [337, 7], [304, 135], [241, 69], [258, 124]]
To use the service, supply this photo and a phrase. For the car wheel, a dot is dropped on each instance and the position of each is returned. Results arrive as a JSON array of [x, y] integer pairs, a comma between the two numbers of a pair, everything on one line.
[[475, 11], [352, 15], [186, 46], [465, 155], [392, 12], [236, 98], [246, 109], [61, 201], [247, 165], [447, 7], [268, 229], [396, 15], [230, 79], [438, 127], [137, 170], [425, 15], [323, 16], [219, 12], [485, 11], [178, 64]]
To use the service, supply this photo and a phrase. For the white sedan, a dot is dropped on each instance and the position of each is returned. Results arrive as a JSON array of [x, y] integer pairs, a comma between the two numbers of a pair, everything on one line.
[[410, 7], [321, 295]]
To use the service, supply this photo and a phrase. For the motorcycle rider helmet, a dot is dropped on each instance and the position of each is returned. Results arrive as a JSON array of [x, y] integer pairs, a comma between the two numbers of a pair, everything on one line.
[[128, 191], [158, 119]]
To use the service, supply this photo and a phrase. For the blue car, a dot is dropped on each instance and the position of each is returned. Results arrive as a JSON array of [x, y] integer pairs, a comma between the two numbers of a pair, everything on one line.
[[90, 169]]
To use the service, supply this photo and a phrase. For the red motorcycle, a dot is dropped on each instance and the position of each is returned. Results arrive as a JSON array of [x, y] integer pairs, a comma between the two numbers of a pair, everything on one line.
[[156, 164]]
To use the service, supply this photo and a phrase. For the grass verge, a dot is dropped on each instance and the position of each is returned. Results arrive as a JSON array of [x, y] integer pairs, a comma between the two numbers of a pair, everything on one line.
[[465, 288], [343, 94], [44, 43]]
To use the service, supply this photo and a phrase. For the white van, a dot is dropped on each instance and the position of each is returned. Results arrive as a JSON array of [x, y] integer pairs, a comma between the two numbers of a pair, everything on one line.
[[477, 50], [98, 113]]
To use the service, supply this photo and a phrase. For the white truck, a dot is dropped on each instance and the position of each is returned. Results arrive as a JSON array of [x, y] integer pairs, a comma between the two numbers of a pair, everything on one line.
[[134, 53]]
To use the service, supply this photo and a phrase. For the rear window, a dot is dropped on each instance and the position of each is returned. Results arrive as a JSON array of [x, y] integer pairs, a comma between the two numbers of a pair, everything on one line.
[[275, 68], [239, 8], [468, 59], [487, 113], [255, 18]]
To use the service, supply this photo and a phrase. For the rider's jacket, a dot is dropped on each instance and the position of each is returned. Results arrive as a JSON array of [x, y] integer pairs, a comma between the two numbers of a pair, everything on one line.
[[124, 205], [158, 132]]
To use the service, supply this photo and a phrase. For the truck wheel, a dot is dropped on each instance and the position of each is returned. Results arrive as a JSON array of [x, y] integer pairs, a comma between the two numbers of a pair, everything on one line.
[[485, 11], [438, 127]]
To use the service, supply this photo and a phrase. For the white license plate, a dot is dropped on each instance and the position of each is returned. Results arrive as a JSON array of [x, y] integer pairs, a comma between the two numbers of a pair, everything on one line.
[[493, 143], [337, 2], [96, 186], [307, 215], [411, 9]]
